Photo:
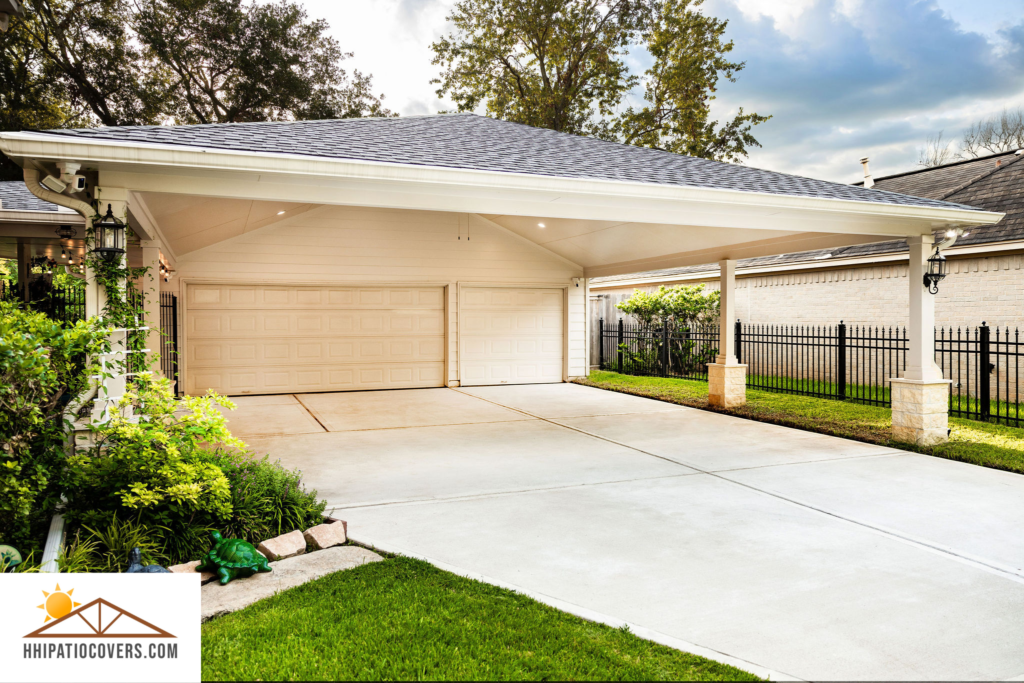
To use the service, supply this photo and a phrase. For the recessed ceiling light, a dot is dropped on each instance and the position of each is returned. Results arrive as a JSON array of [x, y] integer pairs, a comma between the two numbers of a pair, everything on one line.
[[541, 225], [280, 212]]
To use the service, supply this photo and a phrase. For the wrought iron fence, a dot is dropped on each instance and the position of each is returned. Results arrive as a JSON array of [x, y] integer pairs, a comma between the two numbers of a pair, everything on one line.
[[169, 337], [851, 363], [65, 304], [683, 353]]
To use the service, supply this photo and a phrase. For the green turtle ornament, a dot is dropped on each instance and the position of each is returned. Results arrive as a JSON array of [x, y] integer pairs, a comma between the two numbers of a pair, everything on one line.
[[9, 557], [232, 558]]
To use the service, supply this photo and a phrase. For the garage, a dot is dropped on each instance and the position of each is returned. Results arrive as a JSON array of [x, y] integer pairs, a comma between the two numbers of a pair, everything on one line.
[[511, 335], [262, 339]]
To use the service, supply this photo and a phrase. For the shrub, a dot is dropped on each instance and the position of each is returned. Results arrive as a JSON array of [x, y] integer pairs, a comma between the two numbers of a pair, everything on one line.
[[149, 468], [107, 549], [42, 368], [267, 500]]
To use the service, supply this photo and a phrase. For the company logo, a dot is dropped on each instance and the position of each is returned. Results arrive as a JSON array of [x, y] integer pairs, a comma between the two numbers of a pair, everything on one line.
[[66, 618]]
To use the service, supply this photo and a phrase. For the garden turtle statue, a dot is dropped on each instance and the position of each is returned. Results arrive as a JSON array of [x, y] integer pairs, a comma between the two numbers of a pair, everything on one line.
[[9, 557], [135, 565], [232, 558]]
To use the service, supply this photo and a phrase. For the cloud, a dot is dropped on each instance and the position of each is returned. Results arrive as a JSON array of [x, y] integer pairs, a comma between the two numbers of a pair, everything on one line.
[[844, 78]]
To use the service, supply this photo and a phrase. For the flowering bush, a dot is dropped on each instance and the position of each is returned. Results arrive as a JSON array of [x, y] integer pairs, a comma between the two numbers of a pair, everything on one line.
[[149, 467]]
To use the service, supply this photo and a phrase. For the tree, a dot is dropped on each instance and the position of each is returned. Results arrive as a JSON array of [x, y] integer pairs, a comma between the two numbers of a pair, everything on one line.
[[936, 152], [90, 47], [230, 62], [132, 62], [31, 94], [1001, 133], [560, 64], [689, 60]]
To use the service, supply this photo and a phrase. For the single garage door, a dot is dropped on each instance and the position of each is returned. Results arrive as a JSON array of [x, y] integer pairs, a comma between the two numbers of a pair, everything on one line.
[[510, 336], [261, 339]]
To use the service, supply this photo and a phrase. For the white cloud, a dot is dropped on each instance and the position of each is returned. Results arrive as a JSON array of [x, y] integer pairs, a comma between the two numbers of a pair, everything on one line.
[[843, 78]]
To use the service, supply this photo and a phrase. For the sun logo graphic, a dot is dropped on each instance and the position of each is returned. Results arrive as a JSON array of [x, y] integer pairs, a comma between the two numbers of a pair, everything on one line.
[[58, 603], [66, 618]]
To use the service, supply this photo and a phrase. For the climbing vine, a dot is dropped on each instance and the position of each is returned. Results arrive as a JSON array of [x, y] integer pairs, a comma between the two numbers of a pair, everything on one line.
[[125, 303]]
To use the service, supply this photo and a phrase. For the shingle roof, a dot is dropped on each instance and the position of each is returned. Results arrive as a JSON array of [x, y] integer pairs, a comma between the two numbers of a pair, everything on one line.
[[979, 182], [940, 181], [14, 196], [468, 141]]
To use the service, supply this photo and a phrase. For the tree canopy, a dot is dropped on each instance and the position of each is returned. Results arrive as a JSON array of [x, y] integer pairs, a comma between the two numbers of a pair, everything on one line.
[[134, 62], [561, 64]]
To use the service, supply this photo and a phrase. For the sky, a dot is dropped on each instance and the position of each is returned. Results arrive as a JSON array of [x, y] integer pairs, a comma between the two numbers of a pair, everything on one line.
[[842, 79]]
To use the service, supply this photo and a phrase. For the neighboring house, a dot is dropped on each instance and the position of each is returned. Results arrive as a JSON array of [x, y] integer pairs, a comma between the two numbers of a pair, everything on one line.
[[431, 251], [866, 284], [28, 230]]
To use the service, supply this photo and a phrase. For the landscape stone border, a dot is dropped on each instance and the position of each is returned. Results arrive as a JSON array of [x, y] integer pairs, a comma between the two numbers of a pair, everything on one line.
[[294, 571]]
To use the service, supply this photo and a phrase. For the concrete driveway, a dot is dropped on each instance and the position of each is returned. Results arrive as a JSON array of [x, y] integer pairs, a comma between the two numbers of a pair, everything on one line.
[[789, 554]]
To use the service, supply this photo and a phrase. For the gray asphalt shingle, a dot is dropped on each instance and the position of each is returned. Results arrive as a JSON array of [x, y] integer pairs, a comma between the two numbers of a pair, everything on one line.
[[14, 196], [468, 141]]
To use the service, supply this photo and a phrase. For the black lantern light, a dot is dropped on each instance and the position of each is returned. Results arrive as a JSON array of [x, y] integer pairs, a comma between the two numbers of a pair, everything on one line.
[[66, 232], [109, 237], [937, 270]]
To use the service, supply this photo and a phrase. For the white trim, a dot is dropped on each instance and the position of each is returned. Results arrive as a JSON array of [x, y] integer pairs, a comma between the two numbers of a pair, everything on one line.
[[140, 211], [47, 217], [825, 264], [570, 196]]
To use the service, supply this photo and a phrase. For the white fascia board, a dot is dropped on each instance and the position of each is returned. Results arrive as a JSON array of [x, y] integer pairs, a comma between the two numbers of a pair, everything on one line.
[[823, 264], [47, 217], [289, 177]]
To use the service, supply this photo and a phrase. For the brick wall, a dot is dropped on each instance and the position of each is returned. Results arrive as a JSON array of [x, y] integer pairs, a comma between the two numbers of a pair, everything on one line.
[[977, 289]]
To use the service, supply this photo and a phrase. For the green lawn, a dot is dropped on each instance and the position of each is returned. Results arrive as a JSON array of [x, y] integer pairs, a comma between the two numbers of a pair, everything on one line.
[[404, 619], [979, 443]]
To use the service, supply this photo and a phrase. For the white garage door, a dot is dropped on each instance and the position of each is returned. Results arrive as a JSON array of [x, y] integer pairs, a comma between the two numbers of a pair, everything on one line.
[[510, 336], [261, 339]]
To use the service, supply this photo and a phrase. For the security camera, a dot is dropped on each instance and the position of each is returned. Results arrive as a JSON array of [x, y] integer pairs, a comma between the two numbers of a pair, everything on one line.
[[77, 183]]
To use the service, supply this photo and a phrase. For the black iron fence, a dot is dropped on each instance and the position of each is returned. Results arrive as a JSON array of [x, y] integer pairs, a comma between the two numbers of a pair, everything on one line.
[[683, 353], [66, 304], [851, 363], [169, 337]]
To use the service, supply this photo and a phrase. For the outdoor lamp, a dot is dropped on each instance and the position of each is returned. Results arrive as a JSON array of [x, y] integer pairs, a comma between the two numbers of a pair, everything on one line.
[[937, 269], [66, 232], [109, 237]]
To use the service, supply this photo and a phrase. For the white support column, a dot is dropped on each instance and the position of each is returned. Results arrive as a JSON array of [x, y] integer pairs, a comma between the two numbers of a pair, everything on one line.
[[727, 378], [111, 389], [151, 293], [920, 409]]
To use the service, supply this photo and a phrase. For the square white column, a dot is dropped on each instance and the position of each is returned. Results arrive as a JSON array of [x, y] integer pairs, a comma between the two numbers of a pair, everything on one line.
[[920, 409], [727, 378]]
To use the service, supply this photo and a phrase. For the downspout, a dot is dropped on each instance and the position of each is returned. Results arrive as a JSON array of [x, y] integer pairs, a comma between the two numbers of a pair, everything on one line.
[[83, 208], [55, 537]]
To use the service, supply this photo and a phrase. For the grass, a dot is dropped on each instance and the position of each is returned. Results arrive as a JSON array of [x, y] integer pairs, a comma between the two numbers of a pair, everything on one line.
[[405, 619], [979, 443]]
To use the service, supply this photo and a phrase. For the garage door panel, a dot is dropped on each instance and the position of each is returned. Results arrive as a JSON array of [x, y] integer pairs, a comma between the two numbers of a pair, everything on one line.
[[204, 353], [209, 323], [265, 297], [511, 335], [306, 339]]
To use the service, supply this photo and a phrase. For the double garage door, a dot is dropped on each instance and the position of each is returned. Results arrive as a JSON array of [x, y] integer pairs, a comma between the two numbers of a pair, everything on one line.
[[261, 339]]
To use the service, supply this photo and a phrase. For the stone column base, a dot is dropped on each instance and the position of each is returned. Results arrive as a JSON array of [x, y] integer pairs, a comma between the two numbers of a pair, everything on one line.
[[727, 385], [920, 411]]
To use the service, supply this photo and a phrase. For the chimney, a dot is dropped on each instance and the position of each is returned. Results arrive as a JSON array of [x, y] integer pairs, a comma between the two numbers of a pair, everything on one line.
[[868, 182]]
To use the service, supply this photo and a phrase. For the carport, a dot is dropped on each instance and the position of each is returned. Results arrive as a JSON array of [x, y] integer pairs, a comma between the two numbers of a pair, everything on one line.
[[789, 554], [445, 251]]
